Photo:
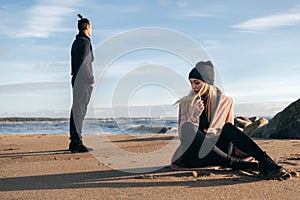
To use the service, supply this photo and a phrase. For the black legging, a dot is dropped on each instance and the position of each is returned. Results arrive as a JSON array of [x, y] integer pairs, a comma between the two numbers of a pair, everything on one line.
[[218, 156]]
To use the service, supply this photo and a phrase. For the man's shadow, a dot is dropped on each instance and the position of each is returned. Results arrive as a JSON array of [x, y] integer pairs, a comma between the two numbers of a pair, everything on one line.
[[33, 153]]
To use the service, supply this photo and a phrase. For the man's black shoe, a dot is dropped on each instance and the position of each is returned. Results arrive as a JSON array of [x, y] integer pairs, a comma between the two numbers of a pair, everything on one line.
[[79, 148]]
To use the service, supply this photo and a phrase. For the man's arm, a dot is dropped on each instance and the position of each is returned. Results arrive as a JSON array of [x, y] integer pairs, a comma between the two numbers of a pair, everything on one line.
[[86, 66]]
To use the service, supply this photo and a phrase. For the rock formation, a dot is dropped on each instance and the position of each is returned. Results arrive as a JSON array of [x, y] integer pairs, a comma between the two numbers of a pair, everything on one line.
[[285, 124]]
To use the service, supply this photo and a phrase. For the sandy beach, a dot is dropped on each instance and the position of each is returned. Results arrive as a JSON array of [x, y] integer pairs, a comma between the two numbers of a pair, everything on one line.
[[38, 166]]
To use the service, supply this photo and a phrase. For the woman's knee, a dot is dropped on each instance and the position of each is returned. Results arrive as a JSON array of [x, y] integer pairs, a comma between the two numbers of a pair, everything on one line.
[[228, 125], [227, 131]]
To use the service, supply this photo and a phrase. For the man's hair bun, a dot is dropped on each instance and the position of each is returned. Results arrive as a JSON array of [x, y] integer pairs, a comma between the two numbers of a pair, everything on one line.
[[80, 16]]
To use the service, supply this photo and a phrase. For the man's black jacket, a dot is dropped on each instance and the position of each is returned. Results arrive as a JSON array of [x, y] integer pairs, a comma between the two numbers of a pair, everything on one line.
[[81, 60]]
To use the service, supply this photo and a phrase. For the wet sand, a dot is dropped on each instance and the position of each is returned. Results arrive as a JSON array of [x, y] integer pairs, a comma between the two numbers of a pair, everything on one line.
[[40, 167]]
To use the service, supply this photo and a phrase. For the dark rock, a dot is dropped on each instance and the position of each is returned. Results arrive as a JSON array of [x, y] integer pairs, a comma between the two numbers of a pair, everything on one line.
[[285, 124], [253, 119], [257, 133], [242, 122], [292, 131], [256, 124]]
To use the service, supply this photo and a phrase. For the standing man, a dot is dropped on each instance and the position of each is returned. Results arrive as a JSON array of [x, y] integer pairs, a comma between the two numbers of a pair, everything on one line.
[[82, 82]]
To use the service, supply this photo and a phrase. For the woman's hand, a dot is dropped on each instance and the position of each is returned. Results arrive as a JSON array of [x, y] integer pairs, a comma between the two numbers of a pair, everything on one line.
[[197, 110], [200, 104]]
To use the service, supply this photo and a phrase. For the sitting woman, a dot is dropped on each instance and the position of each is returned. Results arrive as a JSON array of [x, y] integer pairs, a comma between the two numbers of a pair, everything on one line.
[[206, 131]]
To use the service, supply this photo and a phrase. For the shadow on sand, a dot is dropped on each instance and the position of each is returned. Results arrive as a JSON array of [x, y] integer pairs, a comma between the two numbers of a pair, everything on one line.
[[118, 179], [34, 153]]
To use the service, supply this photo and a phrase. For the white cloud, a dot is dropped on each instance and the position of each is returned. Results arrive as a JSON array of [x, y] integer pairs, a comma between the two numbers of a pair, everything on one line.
[[182, 3], [262, 109], [201, 11], [211, 44], [290, 18], [178, 3], [164, 2], [59, 65], [46, 17], [111, 7], [195, 13], [30, 88], [260, 89]]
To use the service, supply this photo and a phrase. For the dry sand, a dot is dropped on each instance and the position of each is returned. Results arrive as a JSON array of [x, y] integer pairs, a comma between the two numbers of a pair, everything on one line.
[[40, 167]]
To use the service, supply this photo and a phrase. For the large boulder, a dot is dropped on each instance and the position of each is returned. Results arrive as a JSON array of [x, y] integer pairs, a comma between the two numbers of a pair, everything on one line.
[[285, 124], [242, 122], [256, 124], [292, 131]]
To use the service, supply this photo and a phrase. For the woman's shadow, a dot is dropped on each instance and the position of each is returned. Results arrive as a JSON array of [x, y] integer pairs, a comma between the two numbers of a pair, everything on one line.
[[163, 177]]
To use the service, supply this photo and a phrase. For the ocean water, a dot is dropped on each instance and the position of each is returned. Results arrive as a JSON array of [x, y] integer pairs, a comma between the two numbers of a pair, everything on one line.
[[92, 126]]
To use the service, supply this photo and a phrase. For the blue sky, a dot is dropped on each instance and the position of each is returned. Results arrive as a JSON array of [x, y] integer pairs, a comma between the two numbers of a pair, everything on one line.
[[254, 45]]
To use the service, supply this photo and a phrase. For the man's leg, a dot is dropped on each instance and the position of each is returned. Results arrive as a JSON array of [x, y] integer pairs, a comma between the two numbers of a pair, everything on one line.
[[74, 136], [81, 98]]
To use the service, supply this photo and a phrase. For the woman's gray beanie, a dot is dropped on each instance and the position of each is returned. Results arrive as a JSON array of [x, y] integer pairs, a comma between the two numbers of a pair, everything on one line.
[[203, 71]]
